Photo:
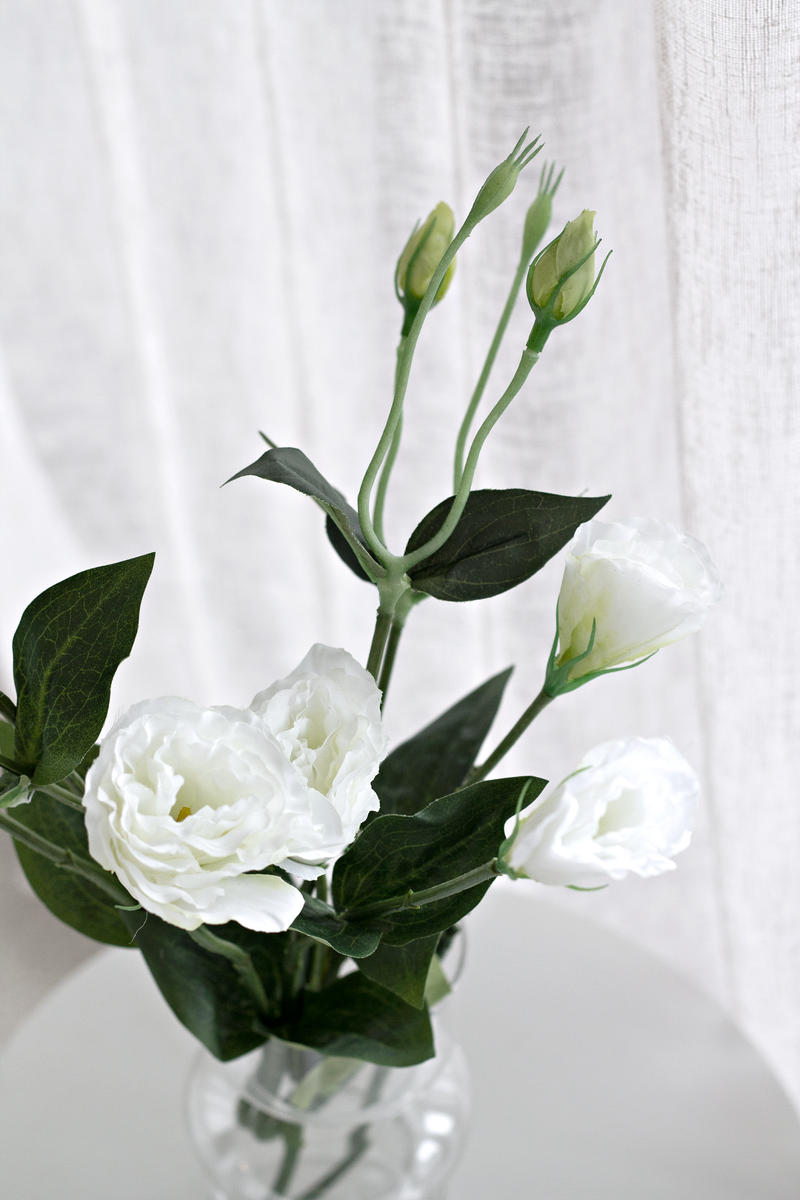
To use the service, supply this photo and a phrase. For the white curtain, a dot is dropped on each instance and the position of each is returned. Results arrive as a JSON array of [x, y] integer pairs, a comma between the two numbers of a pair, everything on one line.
[[201, 204]]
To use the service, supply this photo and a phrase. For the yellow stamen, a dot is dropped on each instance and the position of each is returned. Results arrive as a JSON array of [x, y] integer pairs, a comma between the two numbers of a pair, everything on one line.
[[184, 813]]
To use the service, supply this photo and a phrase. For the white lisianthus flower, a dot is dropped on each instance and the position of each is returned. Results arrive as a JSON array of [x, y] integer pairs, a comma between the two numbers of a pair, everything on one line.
[[183, 801], [645, 583], [327, 717], [630, 806]]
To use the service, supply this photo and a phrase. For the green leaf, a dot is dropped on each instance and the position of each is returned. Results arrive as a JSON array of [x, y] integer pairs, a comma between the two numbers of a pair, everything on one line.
[[343, 547], [435, 761], [204, 990], [502, 538], [6, 740], [67, 647], [74, 900], [318, 920], [356, 1018], [287, 464], [8, 708], [450, 837], [402, 969]]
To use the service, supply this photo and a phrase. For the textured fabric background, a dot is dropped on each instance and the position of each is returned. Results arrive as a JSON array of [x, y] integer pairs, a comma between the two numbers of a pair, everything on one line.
[[201, 205]]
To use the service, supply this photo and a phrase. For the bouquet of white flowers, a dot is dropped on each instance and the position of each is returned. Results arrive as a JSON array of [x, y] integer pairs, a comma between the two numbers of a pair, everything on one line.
[[283, 876]]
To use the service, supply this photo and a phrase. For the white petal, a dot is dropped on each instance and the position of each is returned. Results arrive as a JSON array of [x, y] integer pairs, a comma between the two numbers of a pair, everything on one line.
[[300, 869], [264, 903]]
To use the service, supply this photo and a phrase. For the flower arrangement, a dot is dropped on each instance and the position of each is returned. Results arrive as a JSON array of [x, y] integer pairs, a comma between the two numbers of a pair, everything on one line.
[[283, 875]]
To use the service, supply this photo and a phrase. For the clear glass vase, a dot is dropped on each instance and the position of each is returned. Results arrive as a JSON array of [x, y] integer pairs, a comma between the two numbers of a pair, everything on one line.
[[285, 1121]]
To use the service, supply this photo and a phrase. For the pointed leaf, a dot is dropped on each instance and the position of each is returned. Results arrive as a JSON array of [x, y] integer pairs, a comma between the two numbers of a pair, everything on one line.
[[74, 900], [67, 647], [344, 549], [502, 538], [319, 921], [435, 761], [402, 969], [356, 1018], [287, 464], [450, 837]]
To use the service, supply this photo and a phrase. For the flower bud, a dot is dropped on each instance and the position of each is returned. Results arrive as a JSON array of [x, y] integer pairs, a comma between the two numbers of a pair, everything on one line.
[[629, 808], [629, 588], [561, 257], [502, 181], [423, 253], [537, 220]]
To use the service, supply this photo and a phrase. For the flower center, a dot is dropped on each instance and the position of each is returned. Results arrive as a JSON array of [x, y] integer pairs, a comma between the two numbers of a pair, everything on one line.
[[184, 813]]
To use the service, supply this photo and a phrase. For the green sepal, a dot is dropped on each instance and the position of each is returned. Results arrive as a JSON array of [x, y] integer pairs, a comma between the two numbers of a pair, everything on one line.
[[503, 537], [67, 648], [71, 898], [436, 760], [356, 1018], [318, 920], [557, 681], [402, 969], [397, 854]]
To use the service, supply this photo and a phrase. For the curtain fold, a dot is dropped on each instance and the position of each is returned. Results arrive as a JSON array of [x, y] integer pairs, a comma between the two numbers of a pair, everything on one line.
[[731, 120]]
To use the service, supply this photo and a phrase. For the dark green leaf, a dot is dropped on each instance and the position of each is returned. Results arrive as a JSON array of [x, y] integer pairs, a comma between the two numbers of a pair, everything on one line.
[[74, 900], [318, 920], [6, 740], [343, 547], [287, 464], [450, 837], [356, 1018], [8, 708], [201, 988], [67, 647], [435, 761], [502, 539], [402, 969]]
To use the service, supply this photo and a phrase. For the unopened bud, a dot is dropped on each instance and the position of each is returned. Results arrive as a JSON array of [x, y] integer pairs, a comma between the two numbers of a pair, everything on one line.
[[502, 181], [576, 242], [537, 220], [423, 253]]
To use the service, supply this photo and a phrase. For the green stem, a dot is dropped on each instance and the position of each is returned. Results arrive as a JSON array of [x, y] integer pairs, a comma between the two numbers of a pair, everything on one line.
[[383, 625], [393, 641], [63, 795], [239, 959], [67, 860], [401, 386], [439, 891], [475, 774], [383, 482], [293, 1137], [526, 364], [483, 379], [358, 1142]]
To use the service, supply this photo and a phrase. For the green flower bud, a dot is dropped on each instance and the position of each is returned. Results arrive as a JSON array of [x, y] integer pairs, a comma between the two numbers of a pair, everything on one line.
[[559, 259], [537, 220], [502, 181], [423, 253]]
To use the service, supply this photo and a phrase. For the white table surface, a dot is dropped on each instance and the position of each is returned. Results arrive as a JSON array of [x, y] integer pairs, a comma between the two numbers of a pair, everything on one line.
[[598, 1074]]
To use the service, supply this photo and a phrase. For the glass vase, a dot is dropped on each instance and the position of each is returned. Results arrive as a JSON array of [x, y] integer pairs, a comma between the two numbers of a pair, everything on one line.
[[285, 1121]]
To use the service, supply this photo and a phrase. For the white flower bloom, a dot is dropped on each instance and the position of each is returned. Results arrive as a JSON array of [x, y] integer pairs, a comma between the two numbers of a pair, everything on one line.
[[327, 717], [182, 801], [645, 583], [630, 806]]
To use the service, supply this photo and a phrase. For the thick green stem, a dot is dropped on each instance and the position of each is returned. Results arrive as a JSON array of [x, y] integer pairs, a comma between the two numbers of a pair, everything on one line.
[[393, 641], [480, 772], [461, 441], [383, 625], [526, 364], [439, 891], [293, 1137]]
